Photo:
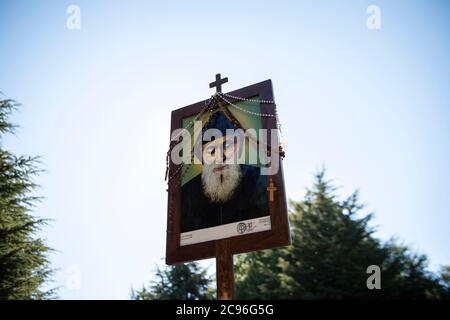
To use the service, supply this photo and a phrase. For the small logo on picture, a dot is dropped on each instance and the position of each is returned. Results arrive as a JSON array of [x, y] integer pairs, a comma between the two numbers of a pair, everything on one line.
[[241, 228]]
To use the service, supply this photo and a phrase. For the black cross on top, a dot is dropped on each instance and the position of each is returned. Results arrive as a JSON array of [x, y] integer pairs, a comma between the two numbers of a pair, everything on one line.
[[218, 83]]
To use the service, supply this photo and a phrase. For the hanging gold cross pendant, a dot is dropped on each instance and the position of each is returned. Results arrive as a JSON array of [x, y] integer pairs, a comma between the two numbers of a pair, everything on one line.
[[271, 189]]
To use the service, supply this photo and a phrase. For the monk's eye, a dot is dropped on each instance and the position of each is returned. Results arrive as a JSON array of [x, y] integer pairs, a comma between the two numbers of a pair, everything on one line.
[[228, 144], [211, 150]]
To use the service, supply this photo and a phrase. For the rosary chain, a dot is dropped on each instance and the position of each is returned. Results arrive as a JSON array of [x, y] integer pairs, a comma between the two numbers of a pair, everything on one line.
[[206, 107]]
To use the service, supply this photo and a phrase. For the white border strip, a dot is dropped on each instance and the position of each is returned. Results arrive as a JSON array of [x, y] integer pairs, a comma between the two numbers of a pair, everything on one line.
[[225, 231]]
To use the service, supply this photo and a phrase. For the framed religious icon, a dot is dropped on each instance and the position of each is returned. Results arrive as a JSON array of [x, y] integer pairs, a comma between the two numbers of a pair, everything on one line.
[[225, 177]]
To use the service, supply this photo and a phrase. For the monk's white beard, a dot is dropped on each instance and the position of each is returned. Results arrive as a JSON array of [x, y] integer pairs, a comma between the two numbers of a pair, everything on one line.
[[219, 186]]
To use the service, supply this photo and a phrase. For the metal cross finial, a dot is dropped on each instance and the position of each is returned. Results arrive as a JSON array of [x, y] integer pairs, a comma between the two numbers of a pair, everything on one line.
[[218, 83]]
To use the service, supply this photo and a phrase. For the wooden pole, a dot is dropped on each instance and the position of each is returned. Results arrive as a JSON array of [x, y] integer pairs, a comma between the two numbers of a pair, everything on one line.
[[224, 257], [224, 271]]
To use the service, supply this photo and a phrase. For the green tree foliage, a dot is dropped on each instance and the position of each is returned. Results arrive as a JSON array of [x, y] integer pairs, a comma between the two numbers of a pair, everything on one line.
[[181, 282], [24, 267], [332, 248], [445, 281], [333, 245]]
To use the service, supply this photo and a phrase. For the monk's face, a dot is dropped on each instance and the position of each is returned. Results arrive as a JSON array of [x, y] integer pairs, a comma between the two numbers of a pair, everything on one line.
[[220, 179], [220, 150]]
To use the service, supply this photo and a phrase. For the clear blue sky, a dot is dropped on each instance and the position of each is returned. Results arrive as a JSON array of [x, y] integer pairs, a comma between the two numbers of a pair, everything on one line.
[[372, 105]]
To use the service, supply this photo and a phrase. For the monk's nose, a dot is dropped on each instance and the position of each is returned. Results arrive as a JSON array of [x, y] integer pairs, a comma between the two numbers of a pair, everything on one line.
[[219, 155]]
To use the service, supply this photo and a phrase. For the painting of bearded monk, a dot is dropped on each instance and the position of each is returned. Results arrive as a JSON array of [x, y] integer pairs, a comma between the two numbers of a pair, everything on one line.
[[223, 193]]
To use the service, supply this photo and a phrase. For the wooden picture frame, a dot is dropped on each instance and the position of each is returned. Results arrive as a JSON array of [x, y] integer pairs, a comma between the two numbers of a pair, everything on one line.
[[278, 235]]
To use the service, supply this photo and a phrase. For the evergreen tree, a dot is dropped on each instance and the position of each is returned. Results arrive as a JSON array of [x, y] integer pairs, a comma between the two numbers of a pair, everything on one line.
[[445, 281], [178, 282], [332, 248], [23, 256]]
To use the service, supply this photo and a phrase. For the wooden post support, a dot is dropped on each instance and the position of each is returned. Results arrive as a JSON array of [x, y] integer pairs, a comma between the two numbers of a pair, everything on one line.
[[224, 271]]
